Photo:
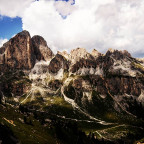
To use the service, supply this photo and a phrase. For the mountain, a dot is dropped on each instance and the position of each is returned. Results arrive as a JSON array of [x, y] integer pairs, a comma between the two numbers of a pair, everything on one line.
[[100, 95], [22, 51]]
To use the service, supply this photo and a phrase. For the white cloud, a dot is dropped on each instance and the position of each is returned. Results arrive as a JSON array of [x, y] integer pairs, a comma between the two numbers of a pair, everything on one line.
[[65, 8], [13, 8], [99, 24], [79, 29], [2, 41]]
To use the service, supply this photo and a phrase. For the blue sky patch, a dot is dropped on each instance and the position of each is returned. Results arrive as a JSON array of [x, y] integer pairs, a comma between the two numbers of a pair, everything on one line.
[[9, 26]]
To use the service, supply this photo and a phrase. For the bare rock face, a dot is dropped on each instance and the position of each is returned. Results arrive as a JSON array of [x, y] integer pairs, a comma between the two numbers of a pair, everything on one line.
[[83, 63], [117, 54], [22, 51], [2, 52], [57, 63], [94, 91], [79, 53], [64, 54], [126, 53], [113, 61], [18, 52], [95, 53], [14, 84], [141, 60], [54, 85], [41, 50]]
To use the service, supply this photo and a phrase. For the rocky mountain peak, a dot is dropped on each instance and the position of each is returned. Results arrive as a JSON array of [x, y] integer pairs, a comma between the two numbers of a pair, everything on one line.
[[116, 54], [126, 53], [24, 33], [95, 53], [41, 50], [81, 51], [111, 50], [22, 51], [64, 54], [141, 59], [78, 53], [18, 52], [40, 40]]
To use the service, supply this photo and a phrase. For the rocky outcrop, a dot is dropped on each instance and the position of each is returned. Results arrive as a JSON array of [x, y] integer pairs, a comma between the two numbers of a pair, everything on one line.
[[79, 53], [54, 85], [57, 63], [22, 51], [124, 85], [41, 50], [64, 54], [141, 60], [95, 53], [106, 94], [116, 54], [18, 52], [116, 85], [14, 84], [83, 63], [114, 62]]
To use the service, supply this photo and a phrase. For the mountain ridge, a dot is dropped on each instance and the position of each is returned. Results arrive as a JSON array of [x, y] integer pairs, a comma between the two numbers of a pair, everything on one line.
[[104, 89]]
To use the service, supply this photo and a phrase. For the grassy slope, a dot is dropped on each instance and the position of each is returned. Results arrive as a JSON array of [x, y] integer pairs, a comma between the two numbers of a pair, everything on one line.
[[26, 133]]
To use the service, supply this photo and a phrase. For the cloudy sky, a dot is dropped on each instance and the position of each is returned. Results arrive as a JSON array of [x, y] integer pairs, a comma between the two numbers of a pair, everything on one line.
[[99, 24]]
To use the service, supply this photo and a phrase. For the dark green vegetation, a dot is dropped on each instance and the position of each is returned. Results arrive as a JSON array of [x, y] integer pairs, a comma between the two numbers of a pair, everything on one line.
[[27, 126], [25, 132], [31, 128]]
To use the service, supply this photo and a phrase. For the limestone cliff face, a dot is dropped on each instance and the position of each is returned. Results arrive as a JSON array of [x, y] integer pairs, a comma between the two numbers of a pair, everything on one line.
[[57, 63], [18, 53], [141, 60], [115, 85], [102, 94], [95, 53], [64, 54], [117, 54], [77, 54], [41, 50], [22, 51], [83, 62]]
